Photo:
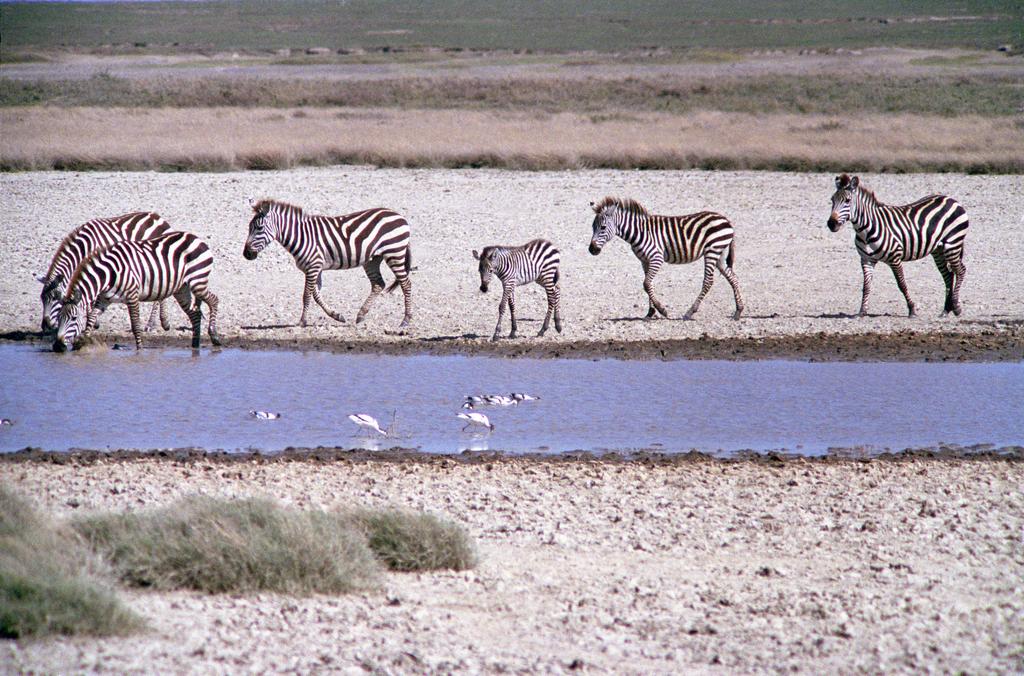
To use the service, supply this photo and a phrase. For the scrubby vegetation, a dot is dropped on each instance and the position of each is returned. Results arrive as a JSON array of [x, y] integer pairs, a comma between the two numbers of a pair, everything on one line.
[[253, 545], [50, 583]]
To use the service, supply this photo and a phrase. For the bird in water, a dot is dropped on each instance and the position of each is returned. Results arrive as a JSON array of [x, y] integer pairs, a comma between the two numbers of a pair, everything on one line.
[[522, 396], [6, 421], [500, 400], [474, 418], [367, 422], [264, 415]]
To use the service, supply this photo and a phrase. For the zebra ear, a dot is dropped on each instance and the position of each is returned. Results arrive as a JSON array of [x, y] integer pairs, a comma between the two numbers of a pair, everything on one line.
[[41, 279], [476, 254], [75, 296], [855, 181]]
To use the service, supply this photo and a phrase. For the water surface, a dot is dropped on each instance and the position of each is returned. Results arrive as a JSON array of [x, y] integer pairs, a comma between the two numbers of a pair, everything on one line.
[[169, 398]]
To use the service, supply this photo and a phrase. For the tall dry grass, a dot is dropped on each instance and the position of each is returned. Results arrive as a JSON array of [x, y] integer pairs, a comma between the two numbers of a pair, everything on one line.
[[50, 583], [236, 138]]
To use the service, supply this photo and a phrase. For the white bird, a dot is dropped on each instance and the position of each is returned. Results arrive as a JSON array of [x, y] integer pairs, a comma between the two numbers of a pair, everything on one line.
[[500, 400], [521, 396], [475, 418], [367, 421], [6, 421], [264, 415]]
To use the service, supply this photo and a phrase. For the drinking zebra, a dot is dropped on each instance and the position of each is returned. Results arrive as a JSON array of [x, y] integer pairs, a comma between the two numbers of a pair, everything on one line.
[[177, 264], [86, 239], [935, 225], [669, 239], [535, 261], [321, 243]]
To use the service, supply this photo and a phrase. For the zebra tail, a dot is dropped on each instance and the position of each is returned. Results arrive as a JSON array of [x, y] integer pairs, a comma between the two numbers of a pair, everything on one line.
[[731, 256], [408, 269]]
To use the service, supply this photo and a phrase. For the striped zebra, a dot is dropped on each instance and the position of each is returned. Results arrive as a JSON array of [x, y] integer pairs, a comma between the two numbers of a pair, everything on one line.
[[535, 261], [935, 225], [657, 240], [177, 264], [320, 243], [83, 241]]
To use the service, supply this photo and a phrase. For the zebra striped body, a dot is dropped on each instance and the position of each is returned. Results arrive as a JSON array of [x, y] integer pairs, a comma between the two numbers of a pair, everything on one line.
[[657, 240], [318, 243], [535, 261], [935, 225], [130, 272], [85, 240]]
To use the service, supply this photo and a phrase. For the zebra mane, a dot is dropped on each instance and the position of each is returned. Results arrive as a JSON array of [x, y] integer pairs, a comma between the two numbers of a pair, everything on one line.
[[625, 204], [265, 205], [64, 243]]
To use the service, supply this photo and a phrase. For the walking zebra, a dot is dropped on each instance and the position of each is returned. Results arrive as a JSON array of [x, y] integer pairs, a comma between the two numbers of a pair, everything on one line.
[[321, 243], [176, 265], [669, 239], [83, 241], [935, 225], [535, 261]]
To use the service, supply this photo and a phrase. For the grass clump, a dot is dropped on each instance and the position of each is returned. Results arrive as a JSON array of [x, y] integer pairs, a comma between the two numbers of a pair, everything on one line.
[[50, 583], [220, 546], [254, 545], [410, 542]]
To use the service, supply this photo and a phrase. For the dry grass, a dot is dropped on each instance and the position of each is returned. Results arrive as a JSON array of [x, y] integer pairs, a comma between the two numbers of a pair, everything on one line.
[[50, 583], [405, 541], [233, 138], [220, 546]]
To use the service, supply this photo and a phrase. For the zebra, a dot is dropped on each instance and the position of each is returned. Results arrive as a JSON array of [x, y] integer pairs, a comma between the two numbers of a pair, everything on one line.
[[87, 239], [535, 261], [177, 264], [319, 243], [935, 225], [669, 239]]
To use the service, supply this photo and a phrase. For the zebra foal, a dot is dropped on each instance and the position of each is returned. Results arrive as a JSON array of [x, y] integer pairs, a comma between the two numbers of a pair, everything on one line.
[[317, 243], [935, 225], [657, 240], [85, 240], [176, 265], [535, 261]]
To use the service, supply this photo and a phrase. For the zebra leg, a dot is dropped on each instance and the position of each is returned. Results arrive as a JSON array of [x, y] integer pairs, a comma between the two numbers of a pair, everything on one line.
[[710, 261], [512, 309], [400, 268], [730, 277], [190, 304], [897, 271], [947, 277], [959, 270], [132, 301], [651, 268], [212, 302], [372, 270], [312, 290], [558, 308], [552, 293], [501, 312], [868, 268], [154, 313]]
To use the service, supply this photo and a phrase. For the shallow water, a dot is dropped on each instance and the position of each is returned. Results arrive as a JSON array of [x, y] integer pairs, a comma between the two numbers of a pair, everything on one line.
[[166, 398]]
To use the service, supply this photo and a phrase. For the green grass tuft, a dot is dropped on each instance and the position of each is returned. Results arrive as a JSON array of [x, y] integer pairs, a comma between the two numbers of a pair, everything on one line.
[[220, 546], [50, 583], [411, 542]]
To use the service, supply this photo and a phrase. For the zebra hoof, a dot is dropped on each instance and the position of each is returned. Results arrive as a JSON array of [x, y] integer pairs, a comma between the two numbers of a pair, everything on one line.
[[359, 319], [495, 338], [957, 310], [737, 314]]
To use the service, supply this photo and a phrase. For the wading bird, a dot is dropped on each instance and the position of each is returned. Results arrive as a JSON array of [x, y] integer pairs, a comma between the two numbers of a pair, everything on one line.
[[367, 422], [264, 415], [475, 418]]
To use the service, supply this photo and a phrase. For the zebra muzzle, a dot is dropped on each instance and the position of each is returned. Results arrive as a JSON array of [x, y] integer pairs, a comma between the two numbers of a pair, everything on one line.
[[249, 254], [833, 223], [594, 249], [483, 288], [59, 346]]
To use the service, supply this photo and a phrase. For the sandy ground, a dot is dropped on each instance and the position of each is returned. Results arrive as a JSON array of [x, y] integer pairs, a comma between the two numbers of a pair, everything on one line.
[[798, 279], [907, 566]]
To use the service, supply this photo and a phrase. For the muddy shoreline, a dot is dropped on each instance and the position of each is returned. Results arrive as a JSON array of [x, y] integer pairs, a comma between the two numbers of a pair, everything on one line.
[[399, 455], [996, 342]]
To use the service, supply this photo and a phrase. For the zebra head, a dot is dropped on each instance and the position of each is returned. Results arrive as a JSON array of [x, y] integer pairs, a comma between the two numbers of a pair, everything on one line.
[[605, 225], [262, 228], [846, 188], [53, 290], [486, 258], [69, 322]]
